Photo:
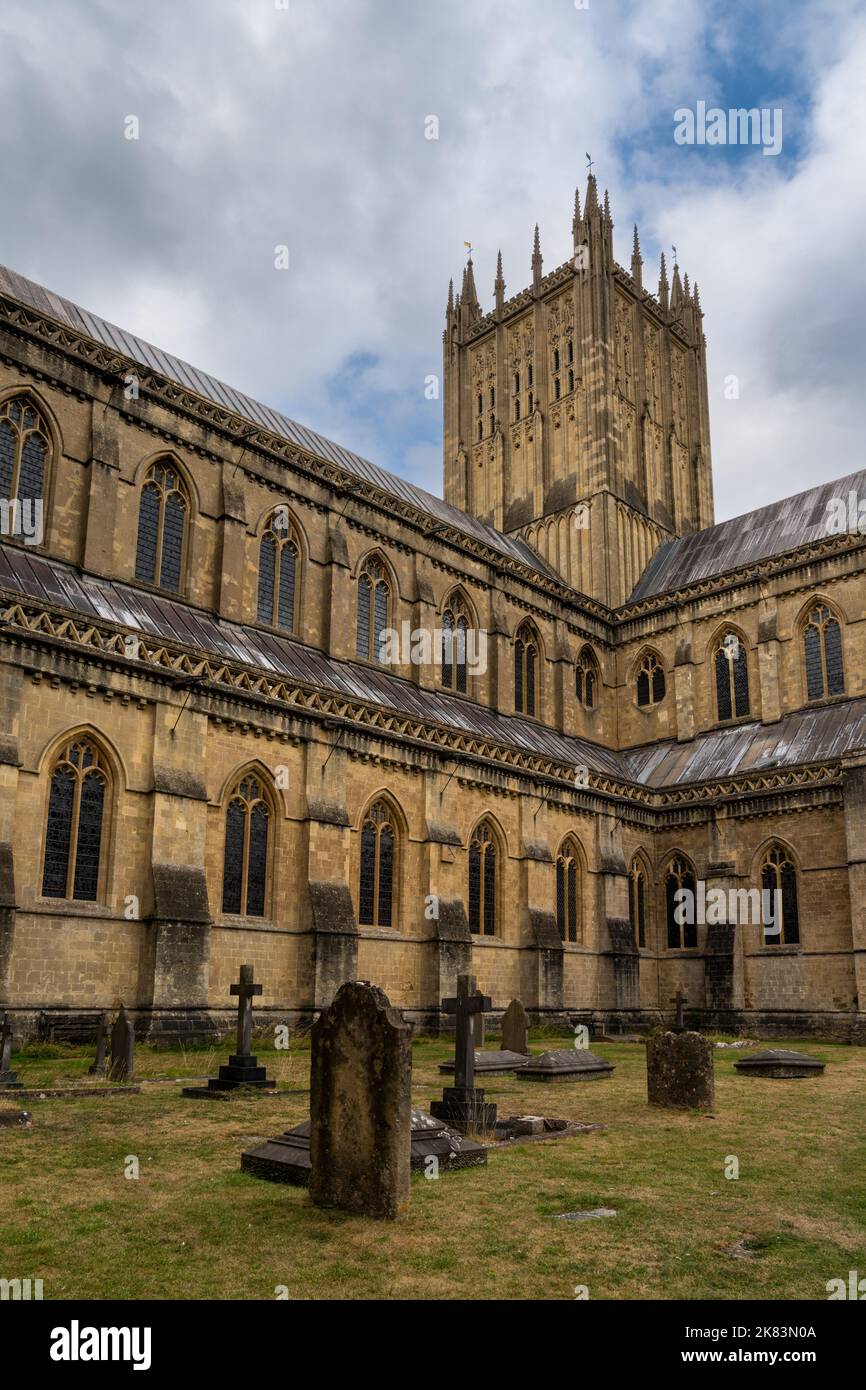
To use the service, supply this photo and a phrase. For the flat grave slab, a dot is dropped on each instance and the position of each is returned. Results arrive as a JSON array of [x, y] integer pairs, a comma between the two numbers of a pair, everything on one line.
[[74, 1092], [493, 1061], [780, 1062], [567, 1064], [287, 1157], [14, 1119]]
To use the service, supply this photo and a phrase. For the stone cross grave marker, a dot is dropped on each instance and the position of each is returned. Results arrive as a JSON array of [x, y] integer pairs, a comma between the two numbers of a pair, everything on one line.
[[467, 1003], [463, 1103], [243, 1069], [122, 1048], [361, 1104], [680, 1000], [246, 991]]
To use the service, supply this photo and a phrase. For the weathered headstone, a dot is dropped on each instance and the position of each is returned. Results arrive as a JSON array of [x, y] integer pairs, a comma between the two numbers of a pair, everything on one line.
[[478, 1030], [567, 1064], [8, 1079], [463, 1105], [243, 1068], [515, 1028], [98, 1068], [679, 1024], [679, 1070], [122, 1048], [360, 1104], [778, 1062]]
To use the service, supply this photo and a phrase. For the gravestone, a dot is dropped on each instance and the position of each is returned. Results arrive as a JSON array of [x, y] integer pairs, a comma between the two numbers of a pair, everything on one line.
[[8, 1078], [122, 1048], [515, 1028], [567, 1064], [99, 1067], [463, 1105], [478, 1030], [243, 1068], [360, 1104], [679, 1070], [287, 1157], [679, 1024], [778, 1062]]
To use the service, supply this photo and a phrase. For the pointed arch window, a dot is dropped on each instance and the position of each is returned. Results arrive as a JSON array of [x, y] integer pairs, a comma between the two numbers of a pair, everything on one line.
[[569, 350], [568, 892], [779, 875], [517, 383], [680, 876], [586, 679], [557, 389], [24, 445], [162, 527], [517, 410], [650, 681], [455, 626], [378, 868], [822, 642], [556, 359], [374, 605], [74, 834], [637, 896], [482, 881], [732, 678], [570, 382], [526, 671], [247, 846], [279, 559]]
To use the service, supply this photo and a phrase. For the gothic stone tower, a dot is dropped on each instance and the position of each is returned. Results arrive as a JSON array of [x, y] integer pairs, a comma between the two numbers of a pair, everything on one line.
[[576, 413]]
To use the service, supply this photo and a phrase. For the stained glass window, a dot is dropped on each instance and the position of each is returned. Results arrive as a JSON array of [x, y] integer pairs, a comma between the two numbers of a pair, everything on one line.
[[586, 679], [779, 874], [23, 454], [650, 681], [482, 881], [378, 867], [455, 626], [278, 571], [567, 892], [637, 902], [732, 678], [74, 833], [247, 843], [680, 877], [525, 670], [374, 600], [162, 523], [822, 641]]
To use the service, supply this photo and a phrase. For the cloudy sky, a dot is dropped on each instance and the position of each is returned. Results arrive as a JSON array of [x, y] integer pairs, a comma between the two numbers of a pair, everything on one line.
[[302, 123]]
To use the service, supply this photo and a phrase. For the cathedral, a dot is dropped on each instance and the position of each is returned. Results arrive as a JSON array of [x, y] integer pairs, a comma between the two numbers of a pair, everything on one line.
[[265, 702]]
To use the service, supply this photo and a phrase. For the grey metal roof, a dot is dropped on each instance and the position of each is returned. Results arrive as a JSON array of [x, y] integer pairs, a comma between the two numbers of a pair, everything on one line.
[[805, 736], [45, 301], [743, 540], [43, 580]]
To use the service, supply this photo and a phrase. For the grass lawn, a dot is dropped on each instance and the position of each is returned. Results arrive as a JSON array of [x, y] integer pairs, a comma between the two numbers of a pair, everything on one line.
[[192, 1226]]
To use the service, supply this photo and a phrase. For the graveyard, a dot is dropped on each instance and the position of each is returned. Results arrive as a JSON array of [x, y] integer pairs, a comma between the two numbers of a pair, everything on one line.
[[140, 1194]]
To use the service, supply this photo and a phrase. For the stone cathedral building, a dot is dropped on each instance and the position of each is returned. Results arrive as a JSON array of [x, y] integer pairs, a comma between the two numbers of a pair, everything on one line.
[[265, 702]]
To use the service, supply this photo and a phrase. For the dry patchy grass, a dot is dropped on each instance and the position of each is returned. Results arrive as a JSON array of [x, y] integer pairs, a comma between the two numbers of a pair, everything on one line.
[[193, 1226]]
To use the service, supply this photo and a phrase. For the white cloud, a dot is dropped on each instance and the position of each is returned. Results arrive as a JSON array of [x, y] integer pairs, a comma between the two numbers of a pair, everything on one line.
[[305, 127]]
